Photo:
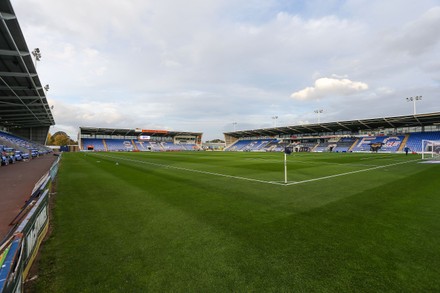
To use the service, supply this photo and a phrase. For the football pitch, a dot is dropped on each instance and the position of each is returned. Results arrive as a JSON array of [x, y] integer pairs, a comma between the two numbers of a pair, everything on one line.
[[222, 222]]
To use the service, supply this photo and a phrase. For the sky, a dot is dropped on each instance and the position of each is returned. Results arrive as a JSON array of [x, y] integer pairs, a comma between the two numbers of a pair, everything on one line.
[[213, 66]]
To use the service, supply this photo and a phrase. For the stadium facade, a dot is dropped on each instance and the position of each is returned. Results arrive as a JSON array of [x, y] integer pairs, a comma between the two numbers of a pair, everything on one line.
[[389, 134], [120, 139]]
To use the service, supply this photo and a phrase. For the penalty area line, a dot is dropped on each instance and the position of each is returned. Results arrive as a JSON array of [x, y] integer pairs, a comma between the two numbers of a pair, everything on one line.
[[194, 170]]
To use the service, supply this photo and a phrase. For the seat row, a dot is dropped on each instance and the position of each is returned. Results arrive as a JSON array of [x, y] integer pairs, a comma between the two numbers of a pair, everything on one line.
[[15, 149], [387, 143], [116, 145]]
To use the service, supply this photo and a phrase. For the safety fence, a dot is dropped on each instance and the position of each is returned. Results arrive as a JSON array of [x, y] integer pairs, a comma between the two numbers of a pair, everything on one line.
[[19, 248]]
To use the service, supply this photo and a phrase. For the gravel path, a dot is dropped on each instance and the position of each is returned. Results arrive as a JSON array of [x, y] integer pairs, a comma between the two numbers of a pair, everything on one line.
[[16, 184]]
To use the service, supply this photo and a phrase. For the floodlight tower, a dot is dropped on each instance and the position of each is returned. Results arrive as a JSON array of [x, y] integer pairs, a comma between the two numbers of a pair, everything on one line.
[[46, 89], [234, 124], [37, 55], [274, 118], [414, 99], [319, 111]]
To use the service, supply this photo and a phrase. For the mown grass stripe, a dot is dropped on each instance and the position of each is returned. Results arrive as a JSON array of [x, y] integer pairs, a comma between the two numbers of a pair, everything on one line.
[[145, 228], [257, 180], [193, 170], [349, 173]]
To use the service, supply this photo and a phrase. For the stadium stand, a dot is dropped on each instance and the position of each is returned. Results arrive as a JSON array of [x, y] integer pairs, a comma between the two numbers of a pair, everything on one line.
[[275, 146], [252, 145], [93, 144], [127, 145], [189, 147], [143, 146], [391, 133], [114, 140], [323, 147], [170, 146], [238, 146], [344, 144], [305, 146], [414, 141], [155, 146], [389, 143], [392, 143], [22, 144], [119, 145]]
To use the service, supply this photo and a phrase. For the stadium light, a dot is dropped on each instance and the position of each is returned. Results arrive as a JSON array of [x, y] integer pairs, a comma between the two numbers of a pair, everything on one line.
[[319, 111], [46, 88], [234, 124], [414, 99], [274, 118], [37, 55]]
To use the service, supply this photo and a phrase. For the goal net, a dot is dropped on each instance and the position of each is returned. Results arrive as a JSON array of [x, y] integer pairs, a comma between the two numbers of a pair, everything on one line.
[[431, 149]]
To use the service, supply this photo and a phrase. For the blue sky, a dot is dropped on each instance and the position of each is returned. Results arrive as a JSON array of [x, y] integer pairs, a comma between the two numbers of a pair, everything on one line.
[[201, 65]]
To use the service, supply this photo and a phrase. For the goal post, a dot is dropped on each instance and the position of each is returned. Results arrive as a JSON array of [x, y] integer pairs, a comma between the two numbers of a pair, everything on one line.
[[430, 149]]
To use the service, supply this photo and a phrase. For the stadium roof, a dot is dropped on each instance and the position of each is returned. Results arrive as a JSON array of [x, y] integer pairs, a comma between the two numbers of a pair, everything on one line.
[[134, 132], [23, 102], [351, 125]]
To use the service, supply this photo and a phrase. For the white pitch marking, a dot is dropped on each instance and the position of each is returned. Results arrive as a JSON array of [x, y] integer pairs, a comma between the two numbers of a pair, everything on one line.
[[331, 163], [257, 180], [348, 173], [196, 171]]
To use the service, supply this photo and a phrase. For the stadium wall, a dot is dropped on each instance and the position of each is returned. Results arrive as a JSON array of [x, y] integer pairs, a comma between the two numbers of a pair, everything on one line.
[[19, 249], [37, 134]]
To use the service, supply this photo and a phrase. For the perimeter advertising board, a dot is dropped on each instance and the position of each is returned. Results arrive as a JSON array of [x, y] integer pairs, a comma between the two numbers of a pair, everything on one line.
[[24, 247], [18, 252]]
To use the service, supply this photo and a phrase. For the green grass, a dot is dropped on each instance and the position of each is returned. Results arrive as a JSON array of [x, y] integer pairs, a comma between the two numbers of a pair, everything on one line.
[[156, 222]]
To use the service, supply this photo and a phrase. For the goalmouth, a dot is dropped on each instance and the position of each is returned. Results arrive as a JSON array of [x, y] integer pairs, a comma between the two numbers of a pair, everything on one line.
[[431, 149]]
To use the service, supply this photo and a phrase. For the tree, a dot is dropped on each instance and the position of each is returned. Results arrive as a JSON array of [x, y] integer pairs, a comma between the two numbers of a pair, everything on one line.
[[61, 138], [216, 141], [49, 140]]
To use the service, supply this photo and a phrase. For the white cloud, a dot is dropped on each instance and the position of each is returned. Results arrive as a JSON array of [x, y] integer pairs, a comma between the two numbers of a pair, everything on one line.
[[418, 36], [325, 87], [199, 65], [385, 90]]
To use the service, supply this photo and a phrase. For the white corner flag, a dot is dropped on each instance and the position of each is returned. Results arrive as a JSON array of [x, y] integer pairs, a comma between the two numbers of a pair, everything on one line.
[[287, 151]]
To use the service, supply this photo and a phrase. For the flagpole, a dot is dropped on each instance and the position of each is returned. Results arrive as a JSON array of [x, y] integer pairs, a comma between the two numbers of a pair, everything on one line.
[[285, 168]]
